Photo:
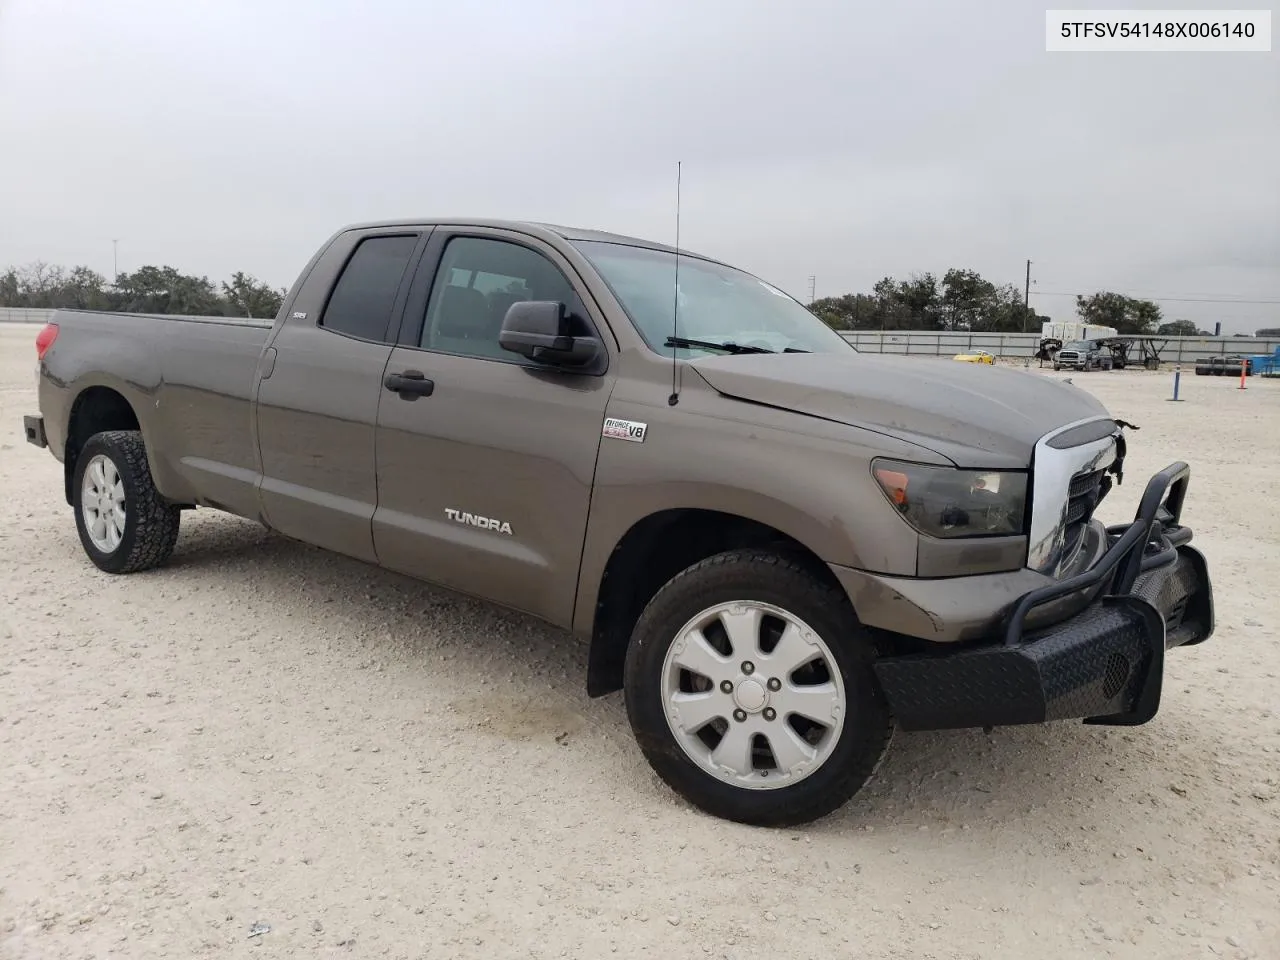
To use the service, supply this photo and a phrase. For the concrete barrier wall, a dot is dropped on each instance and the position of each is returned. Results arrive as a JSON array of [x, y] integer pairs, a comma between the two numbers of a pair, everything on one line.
[[932, 344], [24, 315]]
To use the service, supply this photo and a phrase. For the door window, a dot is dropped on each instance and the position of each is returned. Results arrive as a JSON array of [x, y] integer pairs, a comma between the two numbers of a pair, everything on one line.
[[478, 281], [362, 299]]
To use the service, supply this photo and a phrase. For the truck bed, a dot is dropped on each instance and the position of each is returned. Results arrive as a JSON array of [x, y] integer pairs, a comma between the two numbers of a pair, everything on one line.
[[195, 373]]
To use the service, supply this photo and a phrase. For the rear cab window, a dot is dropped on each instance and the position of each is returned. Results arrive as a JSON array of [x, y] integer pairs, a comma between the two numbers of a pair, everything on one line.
[[361, 303]]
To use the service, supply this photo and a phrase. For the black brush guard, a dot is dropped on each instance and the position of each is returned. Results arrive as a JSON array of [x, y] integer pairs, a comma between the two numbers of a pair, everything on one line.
[[1150, 592]]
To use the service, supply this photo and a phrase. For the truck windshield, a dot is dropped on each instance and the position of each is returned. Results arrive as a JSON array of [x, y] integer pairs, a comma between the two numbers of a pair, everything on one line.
[[718, 304]]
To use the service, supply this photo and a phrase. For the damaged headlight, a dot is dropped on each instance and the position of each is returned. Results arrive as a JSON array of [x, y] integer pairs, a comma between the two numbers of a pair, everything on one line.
[[946, 502]]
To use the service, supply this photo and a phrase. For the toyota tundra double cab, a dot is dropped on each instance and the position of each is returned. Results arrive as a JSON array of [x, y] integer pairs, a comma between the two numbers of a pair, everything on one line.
[[780, 549]]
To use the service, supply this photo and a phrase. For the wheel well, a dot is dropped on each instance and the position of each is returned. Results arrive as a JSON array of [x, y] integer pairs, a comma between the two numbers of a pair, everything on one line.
[[651, 553], [95, 410]]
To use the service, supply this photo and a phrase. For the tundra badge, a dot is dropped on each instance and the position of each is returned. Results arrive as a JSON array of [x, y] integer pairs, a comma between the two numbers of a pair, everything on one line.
[[625, 429], [471, 520]]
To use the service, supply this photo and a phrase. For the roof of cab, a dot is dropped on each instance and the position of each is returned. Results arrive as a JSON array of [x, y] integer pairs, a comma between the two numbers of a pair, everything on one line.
[[528, 226]]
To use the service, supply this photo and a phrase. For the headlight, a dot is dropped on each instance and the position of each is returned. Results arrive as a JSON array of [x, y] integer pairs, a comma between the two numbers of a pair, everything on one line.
[[946, 502]]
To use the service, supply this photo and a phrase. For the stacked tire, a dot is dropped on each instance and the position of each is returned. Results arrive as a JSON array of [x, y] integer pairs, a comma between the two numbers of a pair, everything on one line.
[[1223, 366]]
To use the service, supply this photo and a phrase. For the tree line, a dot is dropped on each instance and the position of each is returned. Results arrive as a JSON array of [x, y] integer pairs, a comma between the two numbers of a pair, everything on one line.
[[965, 301], [146, 290], [962, 300]]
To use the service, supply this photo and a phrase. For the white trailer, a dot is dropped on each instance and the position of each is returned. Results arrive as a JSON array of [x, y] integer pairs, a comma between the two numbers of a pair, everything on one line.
[[1069, 332]]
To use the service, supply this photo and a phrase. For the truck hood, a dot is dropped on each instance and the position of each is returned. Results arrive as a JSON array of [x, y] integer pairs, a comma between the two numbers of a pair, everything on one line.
[[973, 414]]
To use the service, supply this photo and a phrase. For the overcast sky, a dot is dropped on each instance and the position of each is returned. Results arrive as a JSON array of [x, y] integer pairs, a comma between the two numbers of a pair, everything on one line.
[[843, 139]]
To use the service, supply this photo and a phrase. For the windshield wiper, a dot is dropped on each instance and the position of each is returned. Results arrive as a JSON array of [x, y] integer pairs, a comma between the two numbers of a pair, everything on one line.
[[727, 347]]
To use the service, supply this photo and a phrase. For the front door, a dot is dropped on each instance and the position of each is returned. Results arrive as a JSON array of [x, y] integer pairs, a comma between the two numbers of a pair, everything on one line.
[[485, 484], [317, 407]]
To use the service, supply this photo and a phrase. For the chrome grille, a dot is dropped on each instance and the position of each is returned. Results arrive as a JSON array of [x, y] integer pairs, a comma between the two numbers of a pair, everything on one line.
[[1082, 498], [1067, 483]]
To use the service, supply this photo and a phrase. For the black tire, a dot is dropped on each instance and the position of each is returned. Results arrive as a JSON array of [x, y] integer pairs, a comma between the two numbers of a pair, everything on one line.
[[151, 523], [764, 577]]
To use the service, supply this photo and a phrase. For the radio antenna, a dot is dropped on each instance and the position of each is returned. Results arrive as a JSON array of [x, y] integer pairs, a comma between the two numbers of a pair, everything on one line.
[[675, 304]]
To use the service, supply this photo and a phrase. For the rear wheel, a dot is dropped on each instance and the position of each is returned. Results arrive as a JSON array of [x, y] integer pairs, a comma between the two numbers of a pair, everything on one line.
[[124, 524], [749, 688]]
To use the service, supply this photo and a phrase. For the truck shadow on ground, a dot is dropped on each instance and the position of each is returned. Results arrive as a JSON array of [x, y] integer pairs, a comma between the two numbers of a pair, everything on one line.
[[1036, 779]]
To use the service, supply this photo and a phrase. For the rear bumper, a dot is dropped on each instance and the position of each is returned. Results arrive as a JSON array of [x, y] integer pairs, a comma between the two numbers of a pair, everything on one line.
[[1105, 664], [33, 427]]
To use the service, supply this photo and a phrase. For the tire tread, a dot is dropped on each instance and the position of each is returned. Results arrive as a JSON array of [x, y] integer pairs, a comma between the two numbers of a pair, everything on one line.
[[155, 521]]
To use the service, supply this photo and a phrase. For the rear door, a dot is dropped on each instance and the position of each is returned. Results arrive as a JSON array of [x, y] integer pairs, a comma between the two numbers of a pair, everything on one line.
[[485, 484], [317, 406]]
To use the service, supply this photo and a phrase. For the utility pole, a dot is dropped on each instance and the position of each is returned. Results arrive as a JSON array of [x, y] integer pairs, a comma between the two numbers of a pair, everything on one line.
[[813, 288], [115, 261], [1026, 298]]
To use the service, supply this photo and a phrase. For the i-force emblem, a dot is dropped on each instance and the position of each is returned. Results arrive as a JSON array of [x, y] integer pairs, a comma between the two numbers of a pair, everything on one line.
[[625, 429]]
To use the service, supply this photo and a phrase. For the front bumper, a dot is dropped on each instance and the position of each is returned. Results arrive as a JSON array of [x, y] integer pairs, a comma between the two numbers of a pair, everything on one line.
[[1105, 664]]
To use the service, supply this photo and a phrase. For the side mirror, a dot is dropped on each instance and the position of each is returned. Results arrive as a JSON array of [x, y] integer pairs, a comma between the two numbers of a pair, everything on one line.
[[541, 331]]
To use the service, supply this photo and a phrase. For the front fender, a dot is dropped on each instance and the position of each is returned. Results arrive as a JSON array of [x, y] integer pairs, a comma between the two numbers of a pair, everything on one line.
[[805, 477]]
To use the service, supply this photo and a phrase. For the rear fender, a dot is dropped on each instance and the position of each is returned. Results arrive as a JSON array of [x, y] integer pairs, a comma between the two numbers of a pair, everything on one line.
[[142, 401]]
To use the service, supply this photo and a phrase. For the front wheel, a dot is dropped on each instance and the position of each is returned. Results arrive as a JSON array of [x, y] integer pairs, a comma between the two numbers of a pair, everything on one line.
[[124, 524], [749, 688]]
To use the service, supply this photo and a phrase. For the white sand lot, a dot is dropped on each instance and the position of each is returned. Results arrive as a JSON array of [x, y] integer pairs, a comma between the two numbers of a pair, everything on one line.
[[261, 732]]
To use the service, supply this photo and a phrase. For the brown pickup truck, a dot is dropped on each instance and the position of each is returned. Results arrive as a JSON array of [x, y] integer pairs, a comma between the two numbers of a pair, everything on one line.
[[780, 549]]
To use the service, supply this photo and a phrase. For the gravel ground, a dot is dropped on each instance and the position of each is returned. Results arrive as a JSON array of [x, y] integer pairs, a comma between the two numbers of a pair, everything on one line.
[[261, 733]]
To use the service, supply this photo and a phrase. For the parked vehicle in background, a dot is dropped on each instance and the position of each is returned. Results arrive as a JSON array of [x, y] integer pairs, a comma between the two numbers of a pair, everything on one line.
[[778, 548], [978, 356], [1054, 335], [1084, 355]]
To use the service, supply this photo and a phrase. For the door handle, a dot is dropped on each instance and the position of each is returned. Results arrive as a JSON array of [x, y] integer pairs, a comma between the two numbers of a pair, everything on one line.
[[410, 385]]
